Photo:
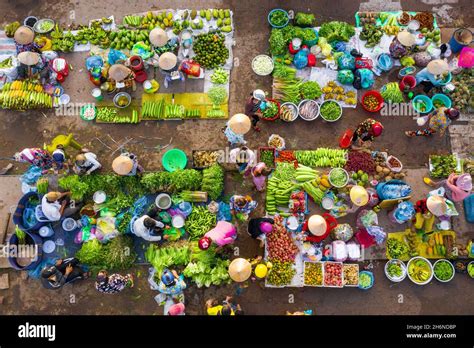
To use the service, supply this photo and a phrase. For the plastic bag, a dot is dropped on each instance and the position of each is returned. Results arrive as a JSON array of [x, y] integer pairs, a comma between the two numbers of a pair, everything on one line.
[[143, 50], [353, 251], [151, 279], [378, 233], [116, 56], [346, 77], [105, 229], [342, 232], [366, 218], [466, 58], [191, 68], [224, 212], [346, 61], [363, 78], [301, 59], [94, 62], [339, 251], [31, 176], [11, 72]]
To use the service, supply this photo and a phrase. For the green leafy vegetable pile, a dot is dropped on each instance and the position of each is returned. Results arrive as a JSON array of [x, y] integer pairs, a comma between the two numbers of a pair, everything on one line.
[[173, 254], [206, 268], [213, 181], [396, 249], [443, 166], [217, 95], [117, 254], [179, 180], [304, 19], [336, 31], [310, 90], [270, 110], [330, 110], [278, 42]]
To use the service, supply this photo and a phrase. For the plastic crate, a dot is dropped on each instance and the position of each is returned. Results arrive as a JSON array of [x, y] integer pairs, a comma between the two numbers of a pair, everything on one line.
[[267, 148], [342, 275], [322, 272]]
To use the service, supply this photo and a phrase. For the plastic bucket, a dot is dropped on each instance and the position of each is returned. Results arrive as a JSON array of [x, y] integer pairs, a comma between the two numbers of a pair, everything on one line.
[[97, 94], [461, 38], [45, 231], [174, 159], [444, 99], [49, 246], [69, 224], [177, 221], [377, 95], [163, 201], [136, 63], [408, 81], [276, 10], [422, 99]]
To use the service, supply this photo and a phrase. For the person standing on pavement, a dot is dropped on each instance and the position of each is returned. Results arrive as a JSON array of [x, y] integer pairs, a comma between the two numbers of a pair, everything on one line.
[[252, 107], [243, 157]]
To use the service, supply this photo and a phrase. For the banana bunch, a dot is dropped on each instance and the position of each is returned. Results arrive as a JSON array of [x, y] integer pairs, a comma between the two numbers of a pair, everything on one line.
[[419, 271], [132, 20], [413, 243], [22, 100], [11, 28], [22, 86], [391, 29]]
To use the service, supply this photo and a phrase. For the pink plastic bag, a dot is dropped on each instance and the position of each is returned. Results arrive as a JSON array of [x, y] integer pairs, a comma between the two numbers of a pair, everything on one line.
[[466, 58]]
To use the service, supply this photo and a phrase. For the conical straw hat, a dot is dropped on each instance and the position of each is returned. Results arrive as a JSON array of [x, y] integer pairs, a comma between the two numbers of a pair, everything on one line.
[[240, 124], [24, 35], [29, 58], [240, 270], [119, 72], [167, 61], [158, 37], [122, 165]]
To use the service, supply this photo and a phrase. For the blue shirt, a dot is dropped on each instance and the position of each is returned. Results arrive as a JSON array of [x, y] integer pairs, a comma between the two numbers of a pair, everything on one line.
[[175, 289], [425, 75]]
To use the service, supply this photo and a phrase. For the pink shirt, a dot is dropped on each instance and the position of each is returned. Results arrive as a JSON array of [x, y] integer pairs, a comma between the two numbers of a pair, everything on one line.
[[224, 233]]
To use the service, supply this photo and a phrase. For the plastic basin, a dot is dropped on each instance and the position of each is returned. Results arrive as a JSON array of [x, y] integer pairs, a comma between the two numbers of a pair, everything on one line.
[[452, 268], [371, 275], [327, 102], [403, 267], [276, 10], [442, 98], [122, 95], [377, 95], [174, 159], [422, 99], [163, 201], [292, 106], [430, 266]]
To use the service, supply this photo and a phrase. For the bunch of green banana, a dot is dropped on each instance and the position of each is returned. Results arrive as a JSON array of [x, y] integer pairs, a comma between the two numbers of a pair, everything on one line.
[[11, 28]]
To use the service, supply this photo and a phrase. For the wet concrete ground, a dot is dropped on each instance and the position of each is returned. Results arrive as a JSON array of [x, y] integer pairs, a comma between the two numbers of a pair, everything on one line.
[[33, 128]]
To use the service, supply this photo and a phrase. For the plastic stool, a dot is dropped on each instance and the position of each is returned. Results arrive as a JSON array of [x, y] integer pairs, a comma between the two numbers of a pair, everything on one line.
[[65, 140]]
